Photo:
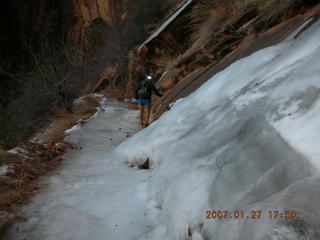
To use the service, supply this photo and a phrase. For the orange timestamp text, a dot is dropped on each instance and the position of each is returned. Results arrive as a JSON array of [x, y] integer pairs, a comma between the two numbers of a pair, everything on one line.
[[254, 214]]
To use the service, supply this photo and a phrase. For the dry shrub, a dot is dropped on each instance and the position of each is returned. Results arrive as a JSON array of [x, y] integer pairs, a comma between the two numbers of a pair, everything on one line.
[[209, 17], [64, 120], [269, 11], [212, 19], [7, 158], [56, 127], [85, 105], [20, 183], [56, 131], [168, 64], [273, 10], [50, 85]]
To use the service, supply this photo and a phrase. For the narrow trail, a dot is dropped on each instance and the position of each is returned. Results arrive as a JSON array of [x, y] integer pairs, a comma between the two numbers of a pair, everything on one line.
[[248, 143], [92, 196]]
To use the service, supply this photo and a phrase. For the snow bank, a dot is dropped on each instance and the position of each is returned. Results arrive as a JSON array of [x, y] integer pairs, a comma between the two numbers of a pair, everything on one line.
[[247, 139]]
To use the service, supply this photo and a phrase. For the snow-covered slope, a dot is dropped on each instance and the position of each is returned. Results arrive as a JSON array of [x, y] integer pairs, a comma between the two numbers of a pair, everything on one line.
[[247, 140]]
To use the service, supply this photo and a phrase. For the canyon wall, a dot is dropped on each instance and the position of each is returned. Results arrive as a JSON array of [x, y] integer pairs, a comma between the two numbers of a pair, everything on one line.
[[38, 26]]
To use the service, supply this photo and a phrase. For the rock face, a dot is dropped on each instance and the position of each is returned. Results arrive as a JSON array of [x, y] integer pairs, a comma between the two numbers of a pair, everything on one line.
[[86, 11], [40, 25], [55, 18]]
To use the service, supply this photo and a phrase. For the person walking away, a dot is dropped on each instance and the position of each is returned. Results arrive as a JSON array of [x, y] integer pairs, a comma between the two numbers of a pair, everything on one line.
[[143, 93]]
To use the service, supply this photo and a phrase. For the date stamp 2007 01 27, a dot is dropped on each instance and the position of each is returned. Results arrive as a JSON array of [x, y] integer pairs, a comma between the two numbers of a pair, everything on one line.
[[254, 214]]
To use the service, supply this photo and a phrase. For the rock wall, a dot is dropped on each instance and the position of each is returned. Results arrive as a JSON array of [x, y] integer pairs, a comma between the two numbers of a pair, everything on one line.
[[86, 11], [37, 26]]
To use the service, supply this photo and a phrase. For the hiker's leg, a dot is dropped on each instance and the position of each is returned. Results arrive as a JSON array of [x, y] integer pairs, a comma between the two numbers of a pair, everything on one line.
[[147, 114], [141, 114]]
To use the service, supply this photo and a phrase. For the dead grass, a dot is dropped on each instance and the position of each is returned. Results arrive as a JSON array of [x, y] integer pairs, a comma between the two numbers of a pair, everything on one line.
[[63, 120], [19, 183], [168, 64], [213, 19], [209, 17], [85, 105], [6, 158], [56, 131], [269, 11]]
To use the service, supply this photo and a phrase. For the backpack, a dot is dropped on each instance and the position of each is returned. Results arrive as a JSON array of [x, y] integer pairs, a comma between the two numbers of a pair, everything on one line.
[[143, 91]]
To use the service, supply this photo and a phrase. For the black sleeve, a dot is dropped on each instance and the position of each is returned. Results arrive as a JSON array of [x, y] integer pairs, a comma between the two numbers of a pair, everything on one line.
[[155, 90], [136, 91]]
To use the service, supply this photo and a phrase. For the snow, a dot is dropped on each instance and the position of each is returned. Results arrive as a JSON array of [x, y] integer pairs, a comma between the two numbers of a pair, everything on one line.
[[75, 127], [4, 170], [165, 24], [17, 150], [80, 99], [305, 133], [20, 152], [246, 140]]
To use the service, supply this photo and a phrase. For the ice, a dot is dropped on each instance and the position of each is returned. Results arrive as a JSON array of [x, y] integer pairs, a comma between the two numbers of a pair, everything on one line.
[[246, 140], [92, 196]]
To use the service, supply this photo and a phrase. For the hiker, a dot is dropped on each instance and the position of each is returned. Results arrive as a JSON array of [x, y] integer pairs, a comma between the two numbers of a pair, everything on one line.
[[143, 94]]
